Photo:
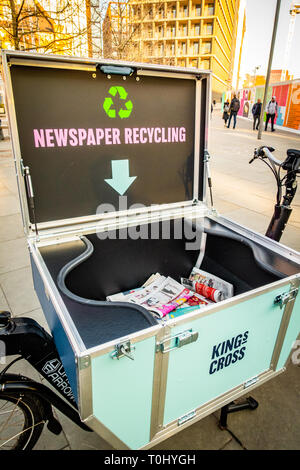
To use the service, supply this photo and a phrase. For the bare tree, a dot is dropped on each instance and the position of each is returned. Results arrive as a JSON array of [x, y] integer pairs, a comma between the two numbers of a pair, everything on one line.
[[66, 28], [122, 28]]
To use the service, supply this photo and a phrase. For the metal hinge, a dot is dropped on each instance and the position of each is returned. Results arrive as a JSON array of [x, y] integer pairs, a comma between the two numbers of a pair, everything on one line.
[[180, 340], [286, 297], [123, 350], [183, 419], [251, 381]]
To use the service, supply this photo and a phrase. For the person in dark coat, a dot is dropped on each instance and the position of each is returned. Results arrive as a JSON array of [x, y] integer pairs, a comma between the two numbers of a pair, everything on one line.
[[226, 112], [256, 111], [234, 108]]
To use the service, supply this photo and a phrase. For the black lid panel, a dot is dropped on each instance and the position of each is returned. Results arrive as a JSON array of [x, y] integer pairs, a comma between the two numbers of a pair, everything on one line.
[[88, 139]]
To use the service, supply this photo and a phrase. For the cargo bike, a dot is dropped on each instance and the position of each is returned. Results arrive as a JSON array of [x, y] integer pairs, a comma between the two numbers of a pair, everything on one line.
[[112, 167]]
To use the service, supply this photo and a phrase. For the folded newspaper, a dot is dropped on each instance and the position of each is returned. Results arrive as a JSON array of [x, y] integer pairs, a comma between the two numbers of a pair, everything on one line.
[[123, 296], [162, 296], [208, 285]]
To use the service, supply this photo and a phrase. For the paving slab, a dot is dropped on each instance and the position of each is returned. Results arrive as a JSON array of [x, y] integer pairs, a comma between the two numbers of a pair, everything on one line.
[[79, 439], [232, 445], [275, 424], [3, 301], [247, 218], [14, 254], [19, 292], [38, 316], [203, 435], [49, 441], [11, 227], [9, 205]]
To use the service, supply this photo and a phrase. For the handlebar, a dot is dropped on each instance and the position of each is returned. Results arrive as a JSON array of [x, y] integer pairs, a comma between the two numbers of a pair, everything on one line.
[[270, 156], [265, 152]]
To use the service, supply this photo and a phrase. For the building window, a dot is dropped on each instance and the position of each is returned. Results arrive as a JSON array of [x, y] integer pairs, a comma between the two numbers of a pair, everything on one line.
[[162, 49], [209, 28], [194, 63], [205, 64], [174, 11], [173, 49], [161, 31], [198, 10], [196, 47], [184, 30], [173, 30], [206, 47], [185, 10], [197, 29], [210, 9], [183, 48]]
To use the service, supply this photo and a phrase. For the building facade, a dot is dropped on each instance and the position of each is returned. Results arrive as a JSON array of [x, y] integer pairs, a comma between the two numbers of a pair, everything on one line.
[[46, 26], [187, 33]]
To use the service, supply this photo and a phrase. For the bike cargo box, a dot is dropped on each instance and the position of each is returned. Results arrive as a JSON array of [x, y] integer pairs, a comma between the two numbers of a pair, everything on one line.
[[111, 163]]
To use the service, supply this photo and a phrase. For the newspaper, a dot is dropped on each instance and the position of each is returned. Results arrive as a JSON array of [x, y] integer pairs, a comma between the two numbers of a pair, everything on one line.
[[139, 296], [152, 278], [213, 281], [165, 295], [124, 296]]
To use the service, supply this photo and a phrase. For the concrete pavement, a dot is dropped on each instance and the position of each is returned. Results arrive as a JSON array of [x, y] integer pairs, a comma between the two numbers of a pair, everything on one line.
[[241, 192]]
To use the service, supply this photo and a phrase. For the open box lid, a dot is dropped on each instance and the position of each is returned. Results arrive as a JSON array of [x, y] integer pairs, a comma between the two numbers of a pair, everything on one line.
[[86, 132]]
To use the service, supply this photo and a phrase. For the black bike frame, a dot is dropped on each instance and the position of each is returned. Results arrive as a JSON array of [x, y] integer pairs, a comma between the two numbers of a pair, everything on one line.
[[26, 338]]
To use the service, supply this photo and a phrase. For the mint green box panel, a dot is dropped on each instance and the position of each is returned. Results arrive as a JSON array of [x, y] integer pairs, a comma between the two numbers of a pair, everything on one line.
[[291, 334], [234, 345], [122, 393]]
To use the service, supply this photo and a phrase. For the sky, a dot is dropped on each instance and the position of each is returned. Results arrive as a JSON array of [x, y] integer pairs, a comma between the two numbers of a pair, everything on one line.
[[259, 28]]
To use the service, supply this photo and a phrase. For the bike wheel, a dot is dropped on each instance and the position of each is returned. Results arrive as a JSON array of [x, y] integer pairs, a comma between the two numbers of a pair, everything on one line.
[[21, 420]]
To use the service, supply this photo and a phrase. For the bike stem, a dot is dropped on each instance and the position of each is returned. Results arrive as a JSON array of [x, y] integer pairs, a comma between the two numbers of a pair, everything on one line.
[[283, 211]]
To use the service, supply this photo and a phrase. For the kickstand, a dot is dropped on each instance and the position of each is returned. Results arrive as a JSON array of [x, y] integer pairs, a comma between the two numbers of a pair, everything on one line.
[[232, 407]]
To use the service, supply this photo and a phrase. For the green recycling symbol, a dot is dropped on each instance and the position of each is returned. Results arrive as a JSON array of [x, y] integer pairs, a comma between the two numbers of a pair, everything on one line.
[[108, 103]]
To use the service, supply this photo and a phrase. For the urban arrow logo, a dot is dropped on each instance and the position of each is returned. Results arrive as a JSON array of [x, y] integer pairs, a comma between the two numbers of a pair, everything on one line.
[[109, 103]]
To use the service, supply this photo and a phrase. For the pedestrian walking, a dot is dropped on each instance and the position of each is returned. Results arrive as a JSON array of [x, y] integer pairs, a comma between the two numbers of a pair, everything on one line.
[[271, 111], [256, 111], [234, 108], [226, 108]]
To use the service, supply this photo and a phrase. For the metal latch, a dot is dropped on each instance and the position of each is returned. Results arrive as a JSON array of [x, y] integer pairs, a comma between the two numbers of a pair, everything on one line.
[[180, 340], [286, 297], [123, 350]]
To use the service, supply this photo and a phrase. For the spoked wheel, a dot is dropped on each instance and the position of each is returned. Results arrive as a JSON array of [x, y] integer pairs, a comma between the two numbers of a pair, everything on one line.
[[21, 421]]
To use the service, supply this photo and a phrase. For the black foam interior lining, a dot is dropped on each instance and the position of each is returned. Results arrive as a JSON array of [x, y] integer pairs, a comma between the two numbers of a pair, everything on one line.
[[119, 264]]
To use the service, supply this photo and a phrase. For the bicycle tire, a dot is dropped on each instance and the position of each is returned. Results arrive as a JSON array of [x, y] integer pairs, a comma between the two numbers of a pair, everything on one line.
[[33, 414]]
